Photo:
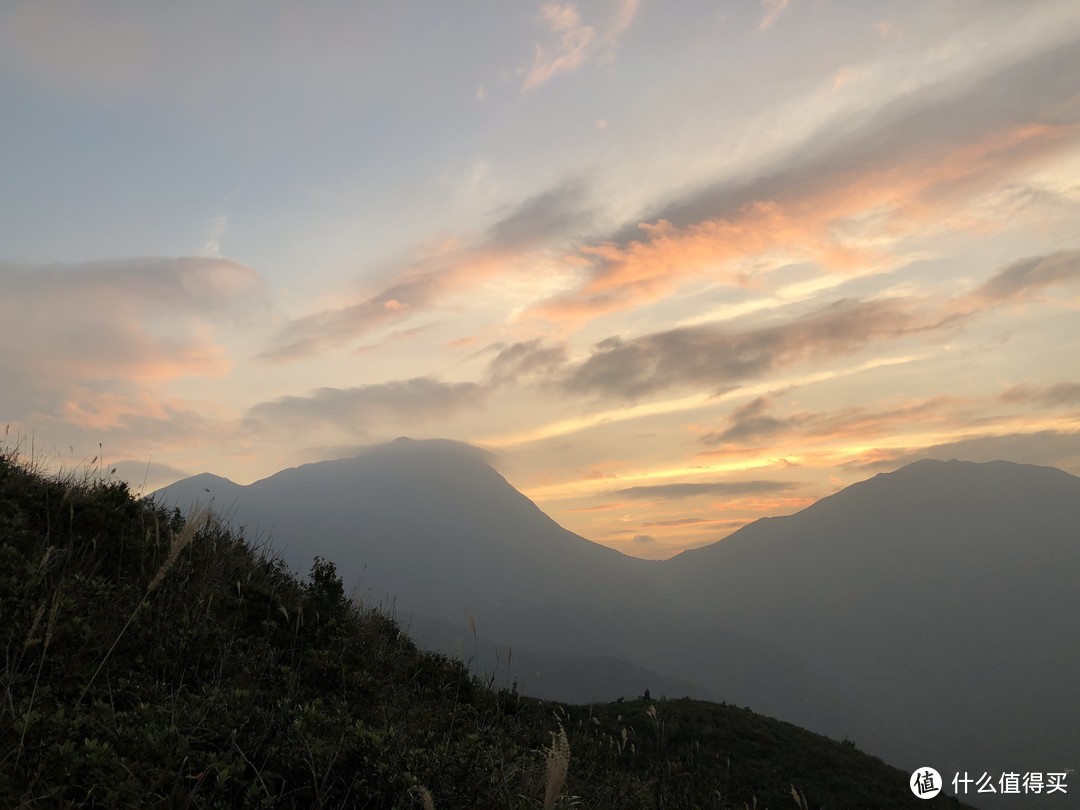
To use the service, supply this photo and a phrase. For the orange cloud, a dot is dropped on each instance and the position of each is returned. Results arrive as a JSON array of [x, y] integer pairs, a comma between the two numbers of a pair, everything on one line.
[[430, 277], [837, 222]]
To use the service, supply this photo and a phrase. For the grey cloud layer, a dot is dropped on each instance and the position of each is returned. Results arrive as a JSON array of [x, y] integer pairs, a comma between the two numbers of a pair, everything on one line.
[[679, 491], [749, 421], [717, 358], [120, 318], [711, 357], [1064, 393], [526, 360], [163, 285], [355, 408], [1030, 274]]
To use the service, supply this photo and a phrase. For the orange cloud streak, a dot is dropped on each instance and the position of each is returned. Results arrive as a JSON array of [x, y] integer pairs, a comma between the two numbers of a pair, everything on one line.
[[920, 191]]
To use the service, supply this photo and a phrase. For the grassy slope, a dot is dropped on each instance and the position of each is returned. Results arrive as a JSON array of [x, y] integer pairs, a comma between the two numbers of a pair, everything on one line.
[[147, 663]]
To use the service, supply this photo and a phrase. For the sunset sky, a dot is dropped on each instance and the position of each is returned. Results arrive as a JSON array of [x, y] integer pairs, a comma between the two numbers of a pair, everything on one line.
[[677, 265]]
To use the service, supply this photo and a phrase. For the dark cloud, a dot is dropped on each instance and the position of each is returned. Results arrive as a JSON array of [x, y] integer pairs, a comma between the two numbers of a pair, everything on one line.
[[1061, 394], [1066, 393], [711, 357], [551, 217], [554, 214], [530, 359], [354, 408], [1033, 273], [749, 421], [643, 539], [678, 491]]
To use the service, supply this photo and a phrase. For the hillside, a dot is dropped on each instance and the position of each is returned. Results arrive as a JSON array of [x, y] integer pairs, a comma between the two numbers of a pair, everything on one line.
[[153, 662]]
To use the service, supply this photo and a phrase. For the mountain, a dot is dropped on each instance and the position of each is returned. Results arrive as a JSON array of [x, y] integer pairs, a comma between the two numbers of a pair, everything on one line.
[[942, 596], [927, 614], [433, 532]]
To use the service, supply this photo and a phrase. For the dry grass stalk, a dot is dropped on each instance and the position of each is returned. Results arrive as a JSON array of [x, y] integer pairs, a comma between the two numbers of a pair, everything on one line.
[[179, 543], [34, 625], [800, 799], [558, 762], [426, 799]]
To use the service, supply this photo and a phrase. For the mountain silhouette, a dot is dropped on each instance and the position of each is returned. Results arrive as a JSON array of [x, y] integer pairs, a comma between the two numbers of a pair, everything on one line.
[[432, 529], [943, 597], [929, 614]]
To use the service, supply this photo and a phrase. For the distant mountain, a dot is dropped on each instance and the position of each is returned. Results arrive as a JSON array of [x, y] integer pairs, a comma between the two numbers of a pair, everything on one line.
[[431, 529], [942, 596], [930, 614]]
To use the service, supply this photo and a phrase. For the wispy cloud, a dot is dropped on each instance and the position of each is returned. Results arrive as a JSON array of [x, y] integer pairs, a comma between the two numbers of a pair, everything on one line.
[[771, 11], [1056, 395], [845, 197], [539, 222], [694, 490], [1026, 276], [216, 231], [574, 42], [758, 424]]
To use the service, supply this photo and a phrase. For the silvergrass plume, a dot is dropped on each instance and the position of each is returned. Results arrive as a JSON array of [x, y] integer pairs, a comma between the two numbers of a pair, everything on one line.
[[426, 798], [558, 761], [179, 543]]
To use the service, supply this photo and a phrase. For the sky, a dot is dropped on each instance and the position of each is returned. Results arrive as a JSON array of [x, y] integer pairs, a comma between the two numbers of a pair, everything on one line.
[[678, 266]]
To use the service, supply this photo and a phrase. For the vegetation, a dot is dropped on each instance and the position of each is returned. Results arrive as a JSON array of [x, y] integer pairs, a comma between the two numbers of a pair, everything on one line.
[[151, 660]]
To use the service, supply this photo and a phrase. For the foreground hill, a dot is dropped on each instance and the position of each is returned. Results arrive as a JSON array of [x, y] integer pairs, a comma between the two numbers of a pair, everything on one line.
[[153, 662]]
